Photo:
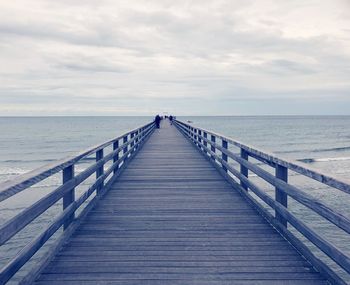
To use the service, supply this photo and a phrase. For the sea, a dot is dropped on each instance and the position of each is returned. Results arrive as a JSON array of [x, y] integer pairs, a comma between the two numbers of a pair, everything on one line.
[[319, 142]]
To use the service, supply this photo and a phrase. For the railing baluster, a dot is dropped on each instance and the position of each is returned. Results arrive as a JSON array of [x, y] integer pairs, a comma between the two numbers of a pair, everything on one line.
[[205, 142], [244, 170], [281, 197], [116, 157], [142, 131], [199, 139], [125, 149], [132, 143], [137, 139], [223, 155], [69, 197], [212, 148], [100, 170], [195, 137]]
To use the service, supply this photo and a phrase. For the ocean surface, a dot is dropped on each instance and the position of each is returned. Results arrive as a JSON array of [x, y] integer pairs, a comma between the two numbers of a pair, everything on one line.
[[321, 142]]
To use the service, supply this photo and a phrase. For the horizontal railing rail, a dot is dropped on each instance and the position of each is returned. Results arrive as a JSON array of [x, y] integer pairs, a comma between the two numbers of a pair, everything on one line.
[[217, 148], [123, 148]]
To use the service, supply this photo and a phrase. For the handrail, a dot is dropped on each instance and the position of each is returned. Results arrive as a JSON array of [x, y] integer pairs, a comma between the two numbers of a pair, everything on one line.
[[131, 143], [22, 182], [210, 146], [265, 156]]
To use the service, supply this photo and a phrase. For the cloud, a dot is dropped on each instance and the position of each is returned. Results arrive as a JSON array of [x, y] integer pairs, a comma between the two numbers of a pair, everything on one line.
[[166, 54]]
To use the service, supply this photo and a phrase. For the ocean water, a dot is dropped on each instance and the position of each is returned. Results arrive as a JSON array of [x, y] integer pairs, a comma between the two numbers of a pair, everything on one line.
[[319, 142]]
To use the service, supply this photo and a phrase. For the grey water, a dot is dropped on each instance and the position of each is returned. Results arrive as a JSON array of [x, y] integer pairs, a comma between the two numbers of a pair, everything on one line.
[[321, 142]]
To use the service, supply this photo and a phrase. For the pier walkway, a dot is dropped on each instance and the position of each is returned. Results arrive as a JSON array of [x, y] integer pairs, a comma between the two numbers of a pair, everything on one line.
[[171, 218], [173, 209]]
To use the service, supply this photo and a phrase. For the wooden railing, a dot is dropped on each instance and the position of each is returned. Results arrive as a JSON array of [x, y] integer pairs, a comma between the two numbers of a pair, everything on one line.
[[123, 148], [218, 149]]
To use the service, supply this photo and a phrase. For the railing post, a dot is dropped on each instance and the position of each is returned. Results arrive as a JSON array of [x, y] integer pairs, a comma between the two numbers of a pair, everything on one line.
[[244, 170], [116, 157], [204, 141], [100, 170], [125, 149], [223, 155], [281, 197], [213, 148], [69, 197]]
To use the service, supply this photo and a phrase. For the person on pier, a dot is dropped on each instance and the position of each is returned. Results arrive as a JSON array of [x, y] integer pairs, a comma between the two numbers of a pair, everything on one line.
[[157, 121]]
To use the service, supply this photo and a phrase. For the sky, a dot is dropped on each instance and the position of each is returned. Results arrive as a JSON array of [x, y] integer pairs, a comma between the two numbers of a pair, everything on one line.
[[137, 57]]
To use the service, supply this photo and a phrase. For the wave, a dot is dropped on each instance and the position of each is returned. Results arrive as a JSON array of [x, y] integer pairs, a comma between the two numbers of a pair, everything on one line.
[[27, 161], [83, 160], [327, 159], [343, 148], [334, 149]]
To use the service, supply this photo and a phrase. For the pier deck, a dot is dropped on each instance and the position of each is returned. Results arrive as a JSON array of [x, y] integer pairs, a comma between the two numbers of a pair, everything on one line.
[[171, 218]]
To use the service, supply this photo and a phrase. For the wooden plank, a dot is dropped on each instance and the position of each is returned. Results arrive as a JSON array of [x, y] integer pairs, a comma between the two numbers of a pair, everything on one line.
[[182, 276], [181, 282], [164, 220]]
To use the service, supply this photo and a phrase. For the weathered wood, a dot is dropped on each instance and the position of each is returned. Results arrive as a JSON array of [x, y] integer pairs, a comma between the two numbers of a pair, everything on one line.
[[125, 149], [223, 154], [165, 220], [116, 156], [282, 214], [213, 139], [170, 216], [194, 281], [182, 276], [18, 222], [131, 137], [100, 170], [244, 170], [22, 182], [307, 200], [199, 138], [66, 191], [341, 184], [69, 197], [280, 196], [205, 135], [303, 249]]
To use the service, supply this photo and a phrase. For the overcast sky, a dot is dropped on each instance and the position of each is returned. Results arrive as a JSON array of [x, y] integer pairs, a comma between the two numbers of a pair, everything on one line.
[[234, 57]]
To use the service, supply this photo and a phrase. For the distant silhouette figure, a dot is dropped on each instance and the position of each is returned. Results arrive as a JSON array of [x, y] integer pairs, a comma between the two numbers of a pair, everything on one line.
[[157, 121], [171, 119]]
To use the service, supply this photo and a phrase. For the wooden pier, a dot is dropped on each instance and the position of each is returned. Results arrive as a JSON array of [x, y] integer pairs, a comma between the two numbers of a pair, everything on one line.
[[172, 213]]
